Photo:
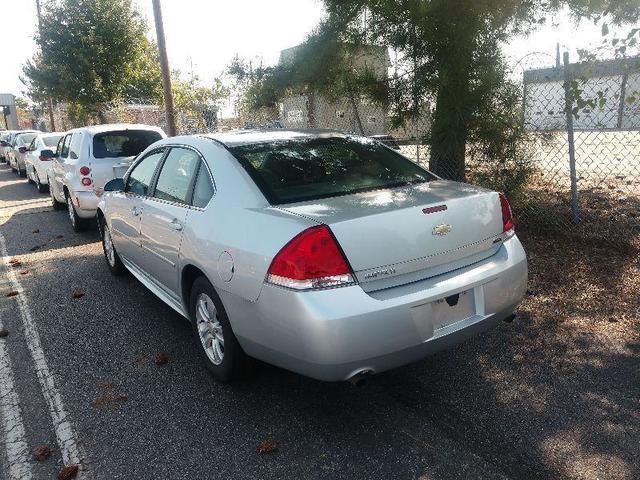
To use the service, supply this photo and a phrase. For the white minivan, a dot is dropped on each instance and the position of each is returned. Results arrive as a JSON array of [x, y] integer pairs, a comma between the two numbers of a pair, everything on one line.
[[86, 158]]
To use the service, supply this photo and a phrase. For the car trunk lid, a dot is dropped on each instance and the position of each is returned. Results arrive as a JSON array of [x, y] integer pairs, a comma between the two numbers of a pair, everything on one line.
[[105, 169], [396, 236]]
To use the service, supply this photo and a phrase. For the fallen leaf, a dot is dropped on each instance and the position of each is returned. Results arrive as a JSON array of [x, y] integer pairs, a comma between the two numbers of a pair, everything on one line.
[[162, 358], [36, 231], [70, 471], [108, 395], [16, 264], [11, 294], [24, 272], [42, 452], [266, 447], [4, 332], [13, 260], [78, 293]]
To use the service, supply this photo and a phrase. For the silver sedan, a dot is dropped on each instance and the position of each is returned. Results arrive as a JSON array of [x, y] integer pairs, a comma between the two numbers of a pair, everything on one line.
[[326, 254]]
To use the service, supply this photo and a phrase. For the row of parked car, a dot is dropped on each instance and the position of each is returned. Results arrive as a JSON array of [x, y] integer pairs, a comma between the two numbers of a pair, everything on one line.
[[327, 254], [73, 166]]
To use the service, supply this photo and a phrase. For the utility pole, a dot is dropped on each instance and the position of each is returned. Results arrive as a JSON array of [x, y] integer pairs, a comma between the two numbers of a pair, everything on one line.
[[164, 65], [49, 100]]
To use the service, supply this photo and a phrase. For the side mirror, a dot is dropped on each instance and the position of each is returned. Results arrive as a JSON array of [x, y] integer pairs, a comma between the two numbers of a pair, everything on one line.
[[115, 185], [47, 154], [4, 144], [22, 149]]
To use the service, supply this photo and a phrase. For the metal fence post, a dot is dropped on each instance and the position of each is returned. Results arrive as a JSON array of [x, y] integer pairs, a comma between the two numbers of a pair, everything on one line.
[[575, 214]]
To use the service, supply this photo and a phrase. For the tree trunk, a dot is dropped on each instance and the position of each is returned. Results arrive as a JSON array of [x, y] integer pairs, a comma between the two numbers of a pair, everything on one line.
[[449, 131], [454, 60]]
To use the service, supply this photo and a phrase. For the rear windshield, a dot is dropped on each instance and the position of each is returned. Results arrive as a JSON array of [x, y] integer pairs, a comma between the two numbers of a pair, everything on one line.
[[295, 171], [128, 143], [51, 140]]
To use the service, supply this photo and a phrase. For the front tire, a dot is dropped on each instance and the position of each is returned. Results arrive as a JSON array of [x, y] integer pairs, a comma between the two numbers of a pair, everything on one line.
[[110, 254], [78, 224], [218, 346]]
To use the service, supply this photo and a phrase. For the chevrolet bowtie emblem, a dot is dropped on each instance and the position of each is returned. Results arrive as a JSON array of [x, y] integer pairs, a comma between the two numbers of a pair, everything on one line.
[[442, 229]]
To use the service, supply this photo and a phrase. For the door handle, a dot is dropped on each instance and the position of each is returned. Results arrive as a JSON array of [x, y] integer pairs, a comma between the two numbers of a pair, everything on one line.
[[176, 225], [136, 211]]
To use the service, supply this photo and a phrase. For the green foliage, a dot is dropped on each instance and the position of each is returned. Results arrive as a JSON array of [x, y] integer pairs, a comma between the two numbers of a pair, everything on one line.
[[450, 62], [92, 52], [197, 103]]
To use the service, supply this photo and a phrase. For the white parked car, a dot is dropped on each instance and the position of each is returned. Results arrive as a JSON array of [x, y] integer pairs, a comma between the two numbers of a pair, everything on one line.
[[86, 158], [38, 160], [18, 150], [5, 139]]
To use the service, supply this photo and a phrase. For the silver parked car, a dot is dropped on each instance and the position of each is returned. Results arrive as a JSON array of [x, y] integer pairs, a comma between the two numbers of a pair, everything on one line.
[[329, 255]]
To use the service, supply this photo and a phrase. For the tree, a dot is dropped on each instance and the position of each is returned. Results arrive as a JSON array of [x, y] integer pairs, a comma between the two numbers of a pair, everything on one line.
[[196, 103], [450, 61], [91, 53]]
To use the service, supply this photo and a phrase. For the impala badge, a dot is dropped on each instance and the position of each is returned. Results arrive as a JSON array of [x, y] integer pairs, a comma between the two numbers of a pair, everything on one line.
[[442, 229]]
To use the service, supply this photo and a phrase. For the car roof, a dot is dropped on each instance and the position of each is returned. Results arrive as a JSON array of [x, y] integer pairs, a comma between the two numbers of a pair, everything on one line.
[[111, 127], [237, 138]]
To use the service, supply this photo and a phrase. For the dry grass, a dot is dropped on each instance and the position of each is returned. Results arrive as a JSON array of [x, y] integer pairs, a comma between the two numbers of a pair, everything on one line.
[[590, 284]]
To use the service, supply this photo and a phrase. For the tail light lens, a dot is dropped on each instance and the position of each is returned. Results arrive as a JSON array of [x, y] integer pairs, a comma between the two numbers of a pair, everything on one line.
[[86, 181], [85, 170], [313, 259], [507, 215]]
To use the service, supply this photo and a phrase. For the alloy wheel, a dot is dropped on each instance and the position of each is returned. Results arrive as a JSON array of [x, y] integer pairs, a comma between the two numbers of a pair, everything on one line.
[[72, 213], [210, 329], [108, 246]]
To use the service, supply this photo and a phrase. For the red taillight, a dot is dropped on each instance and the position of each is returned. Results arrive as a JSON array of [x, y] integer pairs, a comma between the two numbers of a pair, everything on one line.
[[85, 170], [312, 259], [507, 216], [44, 159], [86, 181]]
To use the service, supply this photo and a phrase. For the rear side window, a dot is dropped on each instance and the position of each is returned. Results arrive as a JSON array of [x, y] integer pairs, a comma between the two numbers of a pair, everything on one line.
[[294, 171], [203, 189], [176, 176], [140, 178], [126, 143]]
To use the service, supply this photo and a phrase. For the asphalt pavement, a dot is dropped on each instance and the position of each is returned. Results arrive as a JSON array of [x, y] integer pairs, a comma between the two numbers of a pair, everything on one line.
[[135, 402]]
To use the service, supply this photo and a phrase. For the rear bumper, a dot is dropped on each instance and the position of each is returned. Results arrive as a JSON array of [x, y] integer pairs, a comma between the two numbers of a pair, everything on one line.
[[336, 333], [86, 204]]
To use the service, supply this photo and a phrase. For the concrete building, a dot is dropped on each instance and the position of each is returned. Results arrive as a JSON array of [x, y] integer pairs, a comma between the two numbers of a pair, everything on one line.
[[9, 117], [318, 111]]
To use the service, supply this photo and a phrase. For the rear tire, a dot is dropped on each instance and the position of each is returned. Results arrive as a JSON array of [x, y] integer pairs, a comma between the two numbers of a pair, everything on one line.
[[78, 224], [218, 346], [41, 187], [54, 203], [110, 254]]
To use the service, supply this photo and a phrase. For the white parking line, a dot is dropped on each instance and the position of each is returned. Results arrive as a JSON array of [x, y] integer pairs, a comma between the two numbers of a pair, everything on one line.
[[17, 449], [65, 434]]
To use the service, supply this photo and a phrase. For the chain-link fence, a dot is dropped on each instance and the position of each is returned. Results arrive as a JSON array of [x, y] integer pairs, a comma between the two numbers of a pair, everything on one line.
[[578, 160]]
